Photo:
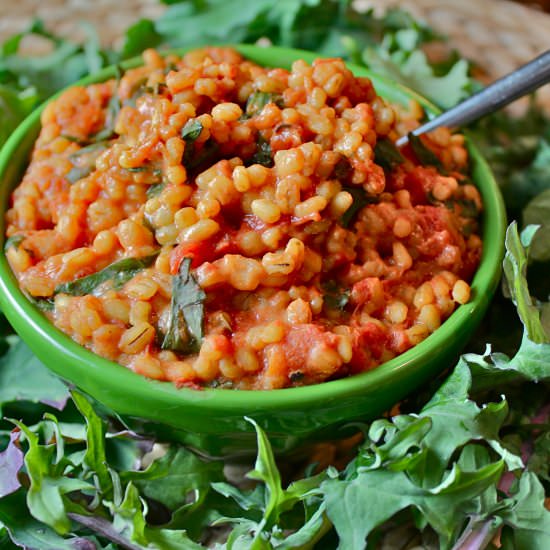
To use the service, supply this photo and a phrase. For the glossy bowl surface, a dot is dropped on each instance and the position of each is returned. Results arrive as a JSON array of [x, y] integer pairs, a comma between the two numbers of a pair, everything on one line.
[[211, 420]]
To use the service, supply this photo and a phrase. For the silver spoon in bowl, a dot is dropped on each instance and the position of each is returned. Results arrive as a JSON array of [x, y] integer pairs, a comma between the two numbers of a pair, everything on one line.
[[500, 93]]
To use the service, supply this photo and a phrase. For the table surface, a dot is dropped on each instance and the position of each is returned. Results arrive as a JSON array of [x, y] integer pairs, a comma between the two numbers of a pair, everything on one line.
[[499, 35], [483, 31]]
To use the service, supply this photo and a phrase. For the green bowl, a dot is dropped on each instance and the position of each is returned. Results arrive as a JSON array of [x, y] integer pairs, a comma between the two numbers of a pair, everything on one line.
[[211, 420]]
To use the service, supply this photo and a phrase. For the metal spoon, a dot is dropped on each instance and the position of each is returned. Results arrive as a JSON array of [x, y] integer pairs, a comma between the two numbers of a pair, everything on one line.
[[503, 91]]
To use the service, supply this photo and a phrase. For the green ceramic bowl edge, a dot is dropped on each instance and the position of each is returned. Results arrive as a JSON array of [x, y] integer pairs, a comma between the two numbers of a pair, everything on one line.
[[212, 419]]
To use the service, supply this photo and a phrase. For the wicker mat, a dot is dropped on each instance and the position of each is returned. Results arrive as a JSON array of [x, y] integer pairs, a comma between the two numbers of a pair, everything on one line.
[[498, 35]]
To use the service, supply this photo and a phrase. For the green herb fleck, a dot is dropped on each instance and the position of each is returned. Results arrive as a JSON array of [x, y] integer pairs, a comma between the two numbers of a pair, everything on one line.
[[206, 154], [83, 167], [360, 199], [258, 100], [119, 272], [15, 241], [155, 190], [77, 173], [136, 92], [424, 155], [96, 147], [75, 139], [468, 208], [191, 159], [43, 304], [263, 154], [113, 109], [342, 169], [335, 297], [191, 131], [185, 326], [296, 376], [387, 155]]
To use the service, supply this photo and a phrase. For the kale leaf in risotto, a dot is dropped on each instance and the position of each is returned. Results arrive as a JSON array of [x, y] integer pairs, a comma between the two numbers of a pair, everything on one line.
[[208, 221]]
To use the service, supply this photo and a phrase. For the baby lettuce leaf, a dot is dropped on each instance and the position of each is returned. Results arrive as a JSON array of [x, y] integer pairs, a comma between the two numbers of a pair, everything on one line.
[[48, 484], [264, 506], [209, 22], [138, 37], [537, 212], [14, 106], [24, 378], [27, 532], [375, 495], [185, 326], [526, 520], [129, 521], [399, 57], [515, 270], [119, 272], [94, 458], [172, 477]]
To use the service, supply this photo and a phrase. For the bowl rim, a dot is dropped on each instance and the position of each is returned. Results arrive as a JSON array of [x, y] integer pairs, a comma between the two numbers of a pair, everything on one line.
[[87, 364]]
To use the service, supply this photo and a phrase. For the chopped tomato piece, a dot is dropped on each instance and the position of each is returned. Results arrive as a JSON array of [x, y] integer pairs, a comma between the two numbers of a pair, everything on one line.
[[198, 252]]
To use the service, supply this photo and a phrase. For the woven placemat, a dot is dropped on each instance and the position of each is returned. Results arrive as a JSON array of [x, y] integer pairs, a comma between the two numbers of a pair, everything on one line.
[[498, 35]]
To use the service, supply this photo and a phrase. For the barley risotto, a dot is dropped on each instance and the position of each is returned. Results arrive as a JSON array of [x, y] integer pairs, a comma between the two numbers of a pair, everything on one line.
[[208, 221]]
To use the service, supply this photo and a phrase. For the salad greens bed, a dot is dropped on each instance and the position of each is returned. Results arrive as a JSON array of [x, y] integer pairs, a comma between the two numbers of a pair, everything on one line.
[[464, 465]]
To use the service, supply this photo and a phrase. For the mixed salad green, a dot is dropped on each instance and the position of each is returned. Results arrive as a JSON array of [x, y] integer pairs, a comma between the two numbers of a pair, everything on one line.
[[464, 465]]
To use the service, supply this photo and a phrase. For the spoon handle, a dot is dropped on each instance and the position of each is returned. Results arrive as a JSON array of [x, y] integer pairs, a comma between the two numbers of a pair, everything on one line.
[[503, 91]]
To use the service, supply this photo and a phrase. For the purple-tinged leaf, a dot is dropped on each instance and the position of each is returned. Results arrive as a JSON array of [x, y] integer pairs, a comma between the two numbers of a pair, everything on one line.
[[105, 528], [11, 461], [56, 404]]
